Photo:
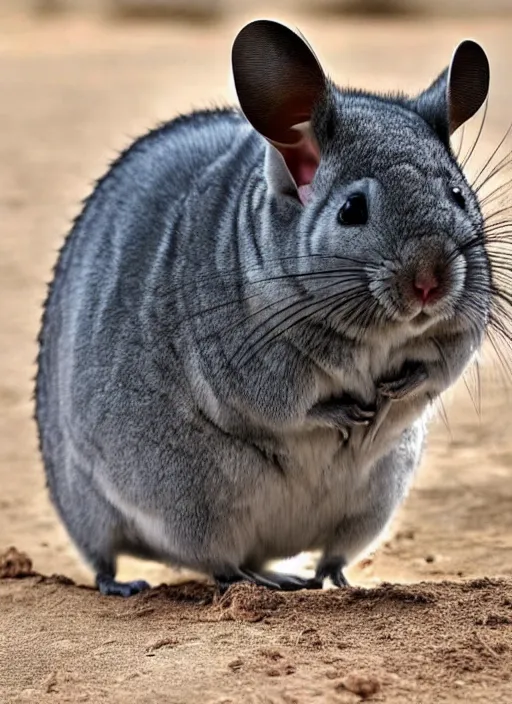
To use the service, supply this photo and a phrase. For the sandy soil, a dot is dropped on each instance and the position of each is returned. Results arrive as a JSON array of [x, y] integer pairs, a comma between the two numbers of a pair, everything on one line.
[[73, 93]]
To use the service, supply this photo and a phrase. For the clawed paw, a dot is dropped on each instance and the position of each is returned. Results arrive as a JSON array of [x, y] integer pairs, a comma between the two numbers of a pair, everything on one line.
[[342, 413], [412, 378], [108, 586], [354, 414], [332, 568], [270, 580]]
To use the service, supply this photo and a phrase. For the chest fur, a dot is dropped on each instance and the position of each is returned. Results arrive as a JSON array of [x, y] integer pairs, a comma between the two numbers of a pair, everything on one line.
[[363, 366], [320, 460]]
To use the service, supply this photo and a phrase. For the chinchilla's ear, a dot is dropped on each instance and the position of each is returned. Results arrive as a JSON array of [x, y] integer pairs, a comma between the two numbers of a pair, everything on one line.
[[458, 92], [279, 81]]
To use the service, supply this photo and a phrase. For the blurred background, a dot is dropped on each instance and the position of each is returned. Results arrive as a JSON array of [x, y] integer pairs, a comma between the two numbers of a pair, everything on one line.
[[79, 79], [140, 8]]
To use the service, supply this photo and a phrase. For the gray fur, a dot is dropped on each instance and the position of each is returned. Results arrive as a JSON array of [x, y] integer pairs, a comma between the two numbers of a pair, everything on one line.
[[169, 427]]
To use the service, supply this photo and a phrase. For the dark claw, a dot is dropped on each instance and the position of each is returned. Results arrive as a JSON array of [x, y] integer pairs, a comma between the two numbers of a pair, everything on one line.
[[398, 389], [290, 583], [355, 415], [260, 579], [223, 583], [342, 413], [108, 586], [270, 580], [339, 580], [332, 567]]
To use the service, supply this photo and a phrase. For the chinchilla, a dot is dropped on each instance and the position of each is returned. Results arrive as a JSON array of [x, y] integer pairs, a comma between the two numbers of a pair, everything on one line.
[[252, 316]]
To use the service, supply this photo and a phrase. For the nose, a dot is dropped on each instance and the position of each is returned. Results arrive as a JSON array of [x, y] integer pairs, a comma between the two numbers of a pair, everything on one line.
[[426, 286]]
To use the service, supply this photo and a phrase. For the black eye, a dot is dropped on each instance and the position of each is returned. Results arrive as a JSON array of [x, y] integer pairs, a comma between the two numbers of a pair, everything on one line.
[[354, 210], [458, 197]]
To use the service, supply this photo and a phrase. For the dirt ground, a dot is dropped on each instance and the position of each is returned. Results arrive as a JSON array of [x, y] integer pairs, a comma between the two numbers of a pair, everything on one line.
[[72, 94]]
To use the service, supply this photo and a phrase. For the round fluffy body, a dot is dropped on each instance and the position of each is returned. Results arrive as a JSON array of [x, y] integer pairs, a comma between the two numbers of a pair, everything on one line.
[[204, 326]]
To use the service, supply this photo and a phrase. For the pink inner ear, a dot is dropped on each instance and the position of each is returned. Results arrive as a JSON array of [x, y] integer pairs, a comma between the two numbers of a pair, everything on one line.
[[305, 193], [302, 160]]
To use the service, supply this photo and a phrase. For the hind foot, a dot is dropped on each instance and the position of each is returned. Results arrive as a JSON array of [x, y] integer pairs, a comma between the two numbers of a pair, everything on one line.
[[108, 586], [271, 580], [332, 567]]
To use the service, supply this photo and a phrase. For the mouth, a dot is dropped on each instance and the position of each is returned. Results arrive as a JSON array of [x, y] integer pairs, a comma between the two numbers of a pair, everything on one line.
[[420, 319], [420, 289]]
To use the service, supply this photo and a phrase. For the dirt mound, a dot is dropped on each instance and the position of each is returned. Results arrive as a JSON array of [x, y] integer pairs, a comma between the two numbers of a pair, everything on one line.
[[185, 643]]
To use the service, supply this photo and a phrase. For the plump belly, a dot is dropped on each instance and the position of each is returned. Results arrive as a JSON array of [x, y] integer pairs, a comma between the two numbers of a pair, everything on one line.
[[323, 482], [300, 490], [320, 482]]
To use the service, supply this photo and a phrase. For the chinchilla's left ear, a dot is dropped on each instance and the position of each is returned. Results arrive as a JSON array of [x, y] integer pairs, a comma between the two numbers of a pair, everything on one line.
[[458, 92], [279, 81]]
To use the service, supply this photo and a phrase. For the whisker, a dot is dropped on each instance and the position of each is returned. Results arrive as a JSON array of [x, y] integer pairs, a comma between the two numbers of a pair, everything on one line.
[[489, 160], [478, 377], [441, 409], [317, 276], [367, 317], [470, 394], [505, 367], [442, 356], [495, 194], [495, 171], [504, 226], [237, 270], [350, 313], [479, 134], [308, 298], [312, 307], [461, 141], [499, 212]]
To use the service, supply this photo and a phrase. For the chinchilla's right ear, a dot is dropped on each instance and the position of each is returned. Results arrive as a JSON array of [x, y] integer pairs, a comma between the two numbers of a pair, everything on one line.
[[279, 81], [458, 93]]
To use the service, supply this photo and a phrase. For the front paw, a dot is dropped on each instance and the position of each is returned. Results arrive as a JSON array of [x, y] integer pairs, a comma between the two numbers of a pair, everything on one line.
[[342, 413], [412, 377]]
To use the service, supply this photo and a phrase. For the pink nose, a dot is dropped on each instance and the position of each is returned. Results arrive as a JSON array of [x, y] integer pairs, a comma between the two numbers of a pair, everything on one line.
[[425, 287]]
